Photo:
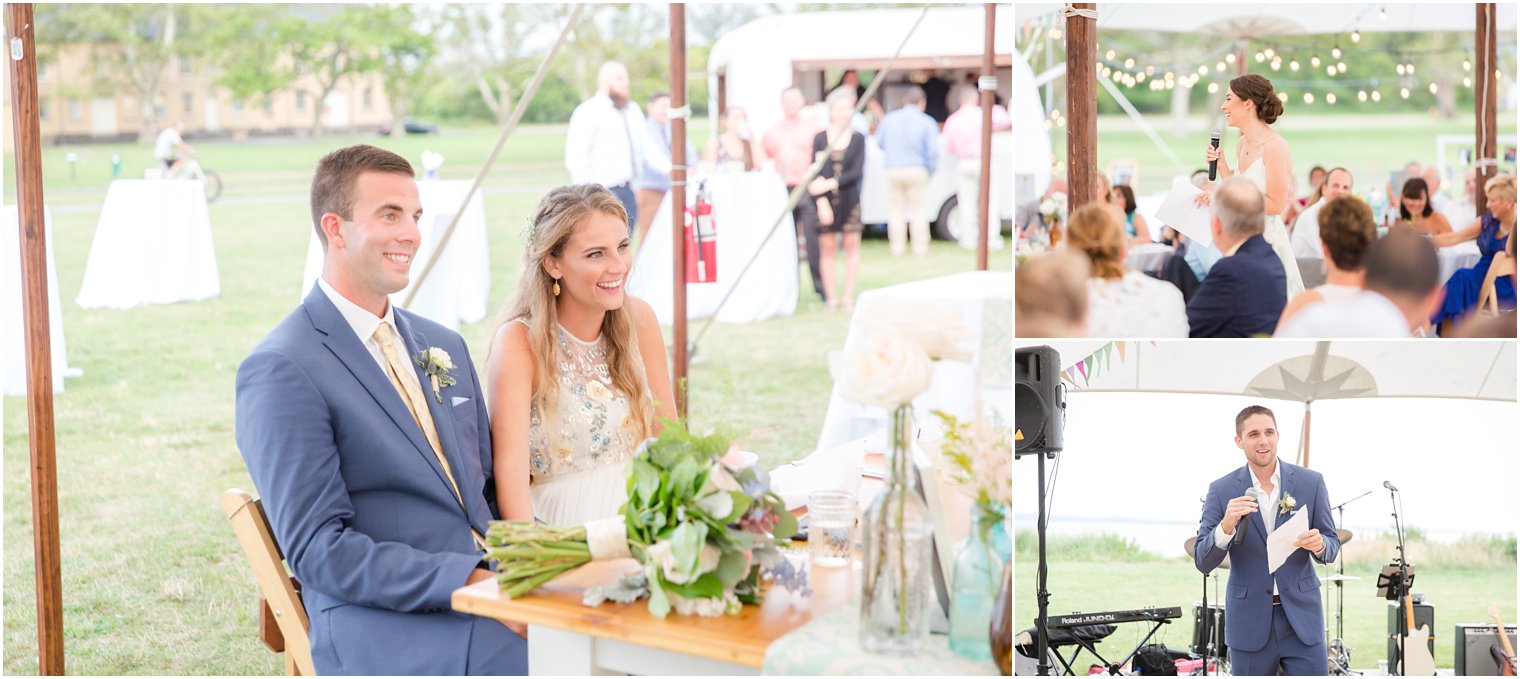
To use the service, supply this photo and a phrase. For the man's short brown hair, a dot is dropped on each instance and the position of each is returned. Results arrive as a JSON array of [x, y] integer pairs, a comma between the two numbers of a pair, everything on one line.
[[1240, 420], [332, 188], [1348, 229]]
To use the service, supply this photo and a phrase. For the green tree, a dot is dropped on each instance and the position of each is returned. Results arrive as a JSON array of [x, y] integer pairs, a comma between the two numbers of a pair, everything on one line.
[[494, 48], [131, 45], [406, 60]]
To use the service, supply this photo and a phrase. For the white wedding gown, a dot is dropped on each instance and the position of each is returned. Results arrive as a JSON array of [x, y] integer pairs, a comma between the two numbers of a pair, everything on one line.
[[1275, 233]]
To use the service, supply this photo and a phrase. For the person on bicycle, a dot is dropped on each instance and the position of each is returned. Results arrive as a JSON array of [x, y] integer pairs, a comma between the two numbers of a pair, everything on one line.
[[172, 149]]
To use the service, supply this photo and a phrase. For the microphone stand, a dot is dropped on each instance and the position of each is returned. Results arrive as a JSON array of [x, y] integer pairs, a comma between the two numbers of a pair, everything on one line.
[[1402, 588]]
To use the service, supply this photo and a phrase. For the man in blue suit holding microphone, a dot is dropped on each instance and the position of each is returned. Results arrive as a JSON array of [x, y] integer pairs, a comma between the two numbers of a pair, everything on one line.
[[364, 429], [1271, 619]]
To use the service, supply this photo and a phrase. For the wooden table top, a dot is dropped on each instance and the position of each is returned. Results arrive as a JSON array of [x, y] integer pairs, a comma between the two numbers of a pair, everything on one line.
[[739, 639]]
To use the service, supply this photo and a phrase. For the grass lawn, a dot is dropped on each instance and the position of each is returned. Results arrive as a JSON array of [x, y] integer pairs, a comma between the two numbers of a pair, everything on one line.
[[153, 579], [1459, 594], [1369, 146]]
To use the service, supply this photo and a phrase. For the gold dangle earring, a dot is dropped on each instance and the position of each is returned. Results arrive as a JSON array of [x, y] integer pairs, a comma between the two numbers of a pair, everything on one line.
[[556, 287]]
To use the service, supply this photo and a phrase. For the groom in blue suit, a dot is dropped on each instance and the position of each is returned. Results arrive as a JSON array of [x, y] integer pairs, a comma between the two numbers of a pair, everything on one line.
[[1271, 619], [364, 429]]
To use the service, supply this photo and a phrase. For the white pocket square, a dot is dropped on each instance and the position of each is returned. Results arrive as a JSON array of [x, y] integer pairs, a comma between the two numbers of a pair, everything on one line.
[[461, 399]]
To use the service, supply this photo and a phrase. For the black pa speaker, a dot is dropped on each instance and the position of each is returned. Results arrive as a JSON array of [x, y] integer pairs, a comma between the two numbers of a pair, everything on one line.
[[1039, 401]]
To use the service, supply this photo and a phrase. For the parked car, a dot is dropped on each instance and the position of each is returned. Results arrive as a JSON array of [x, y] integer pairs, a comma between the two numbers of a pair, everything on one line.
[[412, 127]]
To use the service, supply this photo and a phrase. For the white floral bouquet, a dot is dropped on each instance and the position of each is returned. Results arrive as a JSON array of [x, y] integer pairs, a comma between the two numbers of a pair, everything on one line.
[[980, 456], [704, 532], [893, 363]]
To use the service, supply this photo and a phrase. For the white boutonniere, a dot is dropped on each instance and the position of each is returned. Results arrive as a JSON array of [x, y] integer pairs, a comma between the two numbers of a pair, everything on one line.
[[436, 364], [1287, 504]]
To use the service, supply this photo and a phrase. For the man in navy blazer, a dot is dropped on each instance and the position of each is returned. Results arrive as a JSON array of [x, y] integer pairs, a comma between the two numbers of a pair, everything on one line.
[[1246, 290], [374, 474], [1270, 619]]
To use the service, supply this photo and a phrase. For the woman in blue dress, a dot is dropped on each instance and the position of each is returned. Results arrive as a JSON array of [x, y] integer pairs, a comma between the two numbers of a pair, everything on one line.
[[1493, 231]]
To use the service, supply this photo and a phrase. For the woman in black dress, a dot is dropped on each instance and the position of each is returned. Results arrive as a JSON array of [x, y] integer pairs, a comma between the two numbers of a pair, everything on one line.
[[837, 192]]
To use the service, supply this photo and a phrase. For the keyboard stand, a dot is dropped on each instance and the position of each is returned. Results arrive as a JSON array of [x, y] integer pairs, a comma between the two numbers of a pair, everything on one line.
[[1091, 648]]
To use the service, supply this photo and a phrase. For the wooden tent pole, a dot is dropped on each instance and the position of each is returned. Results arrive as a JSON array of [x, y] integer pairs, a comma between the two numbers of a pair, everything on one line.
[[678, 202]]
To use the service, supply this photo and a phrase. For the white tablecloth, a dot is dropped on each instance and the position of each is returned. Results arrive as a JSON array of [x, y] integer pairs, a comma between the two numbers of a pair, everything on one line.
[[457, 287], [984, 299], [1147, 257], [13, 340], [152, 246], [745, 206], [1455, 257]]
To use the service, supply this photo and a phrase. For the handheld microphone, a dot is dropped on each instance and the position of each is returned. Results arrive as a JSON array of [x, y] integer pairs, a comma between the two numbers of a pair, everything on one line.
[[1213, 141], [1389, 486], [1240, 526]]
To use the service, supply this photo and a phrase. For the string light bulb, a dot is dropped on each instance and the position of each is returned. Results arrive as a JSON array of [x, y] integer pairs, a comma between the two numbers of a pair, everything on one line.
[[1213, 88], [1432, 88], [1466, 65], [1260, 57], [1467, 81], [1308, 97], [1293, 65], [1377, 95], [1276, 64], [1230, 57], [1356, 37], [1129, 63], [1341, 66], [1330, 98], [1399, 69], [1330, 70], [1109, 55], [1361, 95], [1314, 61], [1404, 92], [1335, 52], [1409, 68], [1203, 70], [1282, 97], [1055, 34]]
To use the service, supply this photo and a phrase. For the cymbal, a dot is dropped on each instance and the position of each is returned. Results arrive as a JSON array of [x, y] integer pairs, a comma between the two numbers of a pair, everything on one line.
[[1190, 545], [1340, 578], [1344, 535]]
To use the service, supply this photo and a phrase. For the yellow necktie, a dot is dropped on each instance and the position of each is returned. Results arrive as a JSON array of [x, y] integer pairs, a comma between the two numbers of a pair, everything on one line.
[[404, 379]]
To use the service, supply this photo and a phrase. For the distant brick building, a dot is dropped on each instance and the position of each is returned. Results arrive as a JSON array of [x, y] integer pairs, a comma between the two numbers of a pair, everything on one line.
[[72, 112]]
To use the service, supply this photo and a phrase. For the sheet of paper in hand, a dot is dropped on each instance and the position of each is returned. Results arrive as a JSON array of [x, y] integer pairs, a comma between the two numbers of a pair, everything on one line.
[[1178, 211], [1280, 542]]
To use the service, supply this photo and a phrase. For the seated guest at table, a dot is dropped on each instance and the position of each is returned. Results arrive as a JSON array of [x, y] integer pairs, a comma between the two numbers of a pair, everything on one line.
[[1050, 296], [1416, 210], [1493, 232], [734, 150], [1305, 238], [1403, 287], [377, 487], [577, 372], [1247, 289], [1121, 304], [1432, 177], [1317, 176], [1135, 228], [1104, 192], [1484, 325], [1459, 210], [1348, 229], [837, 192]]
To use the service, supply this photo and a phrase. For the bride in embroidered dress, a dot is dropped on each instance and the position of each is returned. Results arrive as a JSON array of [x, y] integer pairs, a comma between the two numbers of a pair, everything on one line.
[[577, 373], [1252, 106]]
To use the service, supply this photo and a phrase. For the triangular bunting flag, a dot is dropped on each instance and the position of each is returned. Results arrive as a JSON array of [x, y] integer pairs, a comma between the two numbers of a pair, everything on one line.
[[1120, 347]]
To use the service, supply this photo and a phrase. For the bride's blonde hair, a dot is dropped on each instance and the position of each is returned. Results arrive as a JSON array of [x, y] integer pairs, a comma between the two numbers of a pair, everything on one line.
[[559, 214]]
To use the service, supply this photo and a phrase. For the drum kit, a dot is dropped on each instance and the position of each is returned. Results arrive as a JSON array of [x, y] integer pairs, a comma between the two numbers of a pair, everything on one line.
[[1208, 620]]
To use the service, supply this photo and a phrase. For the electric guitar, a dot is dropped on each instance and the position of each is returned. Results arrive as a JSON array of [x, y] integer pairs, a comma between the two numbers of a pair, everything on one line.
[[1416, 661], [1504, 657]]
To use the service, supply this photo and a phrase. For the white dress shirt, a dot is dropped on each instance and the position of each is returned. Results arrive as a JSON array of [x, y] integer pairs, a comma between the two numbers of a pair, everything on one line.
[[1368, 314], [607, 145], [364, 323], [1267, 508], [1306, 233]]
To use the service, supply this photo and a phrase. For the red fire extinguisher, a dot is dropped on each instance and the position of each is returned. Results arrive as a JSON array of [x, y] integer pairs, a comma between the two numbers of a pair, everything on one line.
[[701, 239]]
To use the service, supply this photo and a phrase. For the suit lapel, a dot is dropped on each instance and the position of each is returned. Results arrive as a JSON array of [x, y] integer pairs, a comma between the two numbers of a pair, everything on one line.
[[1256, 518], [1290, 487], [346, 346], [442, 413]]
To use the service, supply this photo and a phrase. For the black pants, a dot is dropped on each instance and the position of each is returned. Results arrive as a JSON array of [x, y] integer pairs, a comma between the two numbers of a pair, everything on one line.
[[625, 195], [805, 215]]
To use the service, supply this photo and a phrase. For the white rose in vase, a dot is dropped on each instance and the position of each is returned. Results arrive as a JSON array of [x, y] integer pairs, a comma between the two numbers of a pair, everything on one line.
[[886, 370]]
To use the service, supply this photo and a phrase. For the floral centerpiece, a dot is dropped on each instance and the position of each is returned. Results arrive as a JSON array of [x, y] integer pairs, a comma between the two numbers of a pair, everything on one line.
[[704, 531], [1051, 211], [888, 368], [979, 457]]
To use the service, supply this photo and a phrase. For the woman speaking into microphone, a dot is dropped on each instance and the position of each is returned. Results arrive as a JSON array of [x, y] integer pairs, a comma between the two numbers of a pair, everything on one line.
[[1252, 106]]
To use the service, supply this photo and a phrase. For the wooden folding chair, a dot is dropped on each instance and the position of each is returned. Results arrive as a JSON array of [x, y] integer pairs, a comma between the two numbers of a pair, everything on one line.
[[283, 625], [1488, 300]]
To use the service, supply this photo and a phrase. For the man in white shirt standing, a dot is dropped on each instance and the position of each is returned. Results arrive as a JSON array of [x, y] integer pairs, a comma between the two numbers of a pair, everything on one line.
[[1272, 618], [606, 140], [170, 148]]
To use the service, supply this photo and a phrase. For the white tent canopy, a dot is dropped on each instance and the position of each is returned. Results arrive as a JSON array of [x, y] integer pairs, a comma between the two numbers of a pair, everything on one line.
[[1297, 371], [1255, 20]]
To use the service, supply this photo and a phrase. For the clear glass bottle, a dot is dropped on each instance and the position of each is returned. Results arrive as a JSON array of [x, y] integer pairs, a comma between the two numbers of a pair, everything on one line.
[[897, 533], [974, 585]]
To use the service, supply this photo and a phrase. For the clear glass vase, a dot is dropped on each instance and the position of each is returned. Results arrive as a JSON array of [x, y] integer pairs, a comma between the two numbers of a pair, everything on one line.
[[897, 533], [974, 584]]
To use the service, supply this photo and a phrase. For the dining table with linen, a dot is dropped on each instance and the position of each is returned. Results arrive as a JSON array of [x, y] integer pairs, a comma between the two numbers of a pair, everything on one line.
[[456, 288], [745, 206], [152, 246]]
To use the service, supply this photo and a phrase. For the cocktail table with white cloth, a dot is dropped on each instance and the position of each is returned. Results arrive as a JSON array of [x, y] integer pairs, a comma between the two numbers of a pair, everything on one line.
[[457, 287], [1456, 257], [152, 246], [745, 205], [984, 302], [1147, 257], [12, 336]]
